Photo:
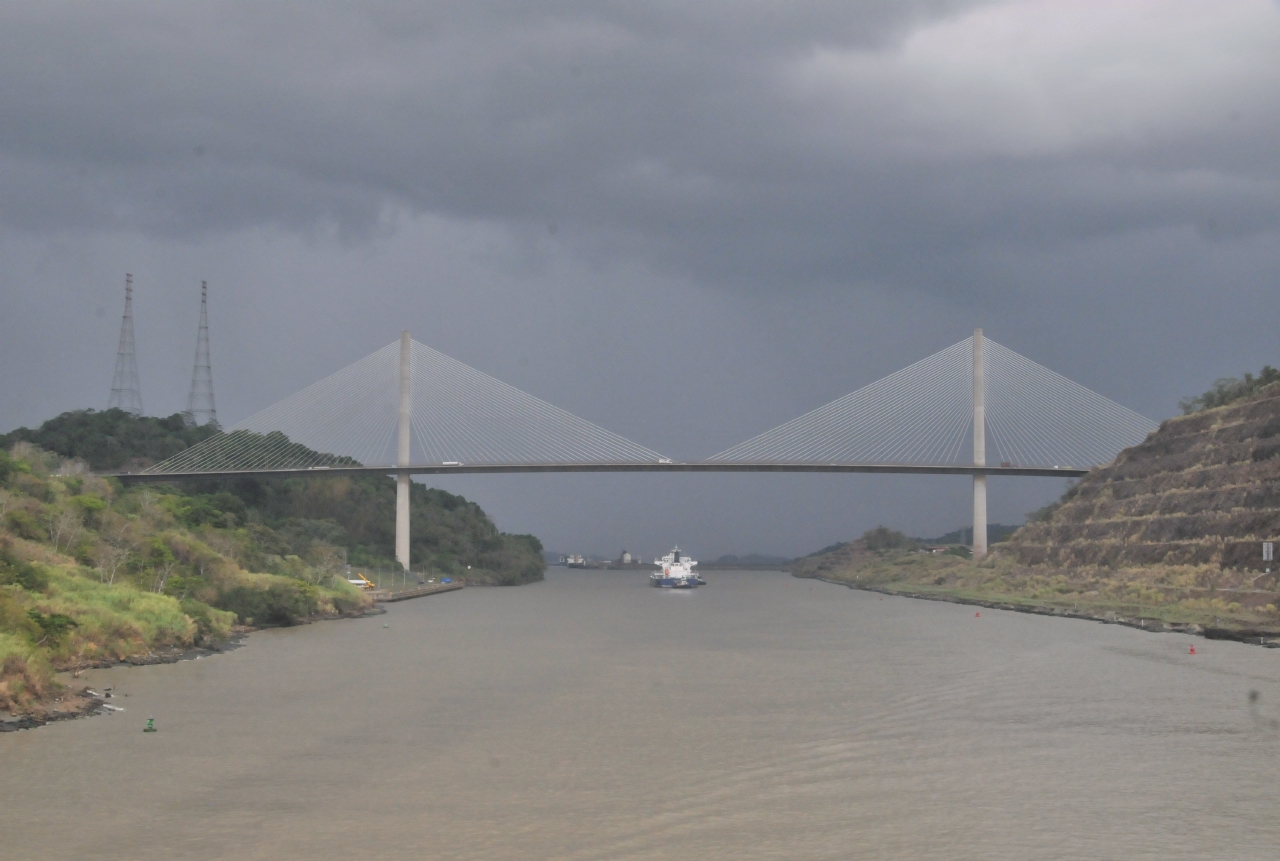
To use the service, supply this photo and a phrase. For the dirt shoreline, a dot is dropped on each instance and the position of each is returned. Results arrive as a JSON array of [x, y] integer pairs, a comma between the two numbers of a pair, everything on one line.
[[71, 703], [1265, 639]]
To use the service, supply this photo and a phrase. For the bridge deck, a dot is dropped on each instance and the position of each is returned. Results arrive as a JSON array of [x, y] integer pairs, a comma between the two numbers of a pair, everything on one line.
[[702, 466]]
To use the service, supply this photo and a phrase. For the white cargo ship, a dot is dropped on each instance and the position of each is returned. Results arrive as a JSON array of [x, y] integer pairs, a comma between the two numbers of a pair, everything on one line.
[[676, 572]]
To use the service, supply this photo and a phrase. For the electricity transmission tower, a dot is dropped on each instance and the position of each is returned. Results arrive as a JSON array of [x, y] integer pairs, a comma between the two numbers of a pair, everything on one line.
[[124, 385], [200, 407]]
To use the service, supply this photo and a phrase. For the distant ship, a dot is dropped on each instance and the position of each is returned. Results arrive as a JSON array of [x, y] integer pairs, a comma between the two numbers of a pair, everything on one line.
[[676, 573], [575, 561]]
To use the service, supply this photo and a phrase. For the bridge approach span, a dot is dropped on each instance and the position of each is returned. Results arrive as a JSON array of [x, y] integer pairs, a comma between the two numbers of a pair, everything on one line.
[[506, 468]]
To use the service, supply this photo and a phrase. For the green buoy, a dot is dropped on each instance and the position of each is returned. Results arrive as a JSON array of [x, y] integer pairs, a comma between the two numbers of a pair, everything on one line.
[[151, 725]]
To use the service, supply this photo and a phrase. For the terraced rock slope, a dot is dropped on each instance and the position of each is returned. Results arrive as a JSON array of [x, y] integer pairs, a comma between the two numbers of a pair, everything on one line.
[[1203, 490]]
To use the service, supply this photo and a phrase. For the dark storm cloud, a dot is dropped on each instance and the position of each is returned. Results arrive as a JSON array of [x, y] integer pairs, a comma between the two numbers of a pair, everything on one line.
[[560, 193], [744, 143]]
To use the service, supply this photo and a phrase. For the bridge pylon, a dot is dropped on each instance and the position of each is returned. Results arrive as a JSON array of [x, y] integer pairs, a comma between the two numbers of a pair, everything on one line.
[[402, 453], [979, 449]]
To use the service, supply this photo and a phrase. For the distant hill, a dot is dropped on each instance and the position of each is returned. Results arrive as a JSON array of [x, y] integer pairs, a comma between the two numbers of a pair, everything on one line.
[[751, 560], [996, 532], [830, 548]]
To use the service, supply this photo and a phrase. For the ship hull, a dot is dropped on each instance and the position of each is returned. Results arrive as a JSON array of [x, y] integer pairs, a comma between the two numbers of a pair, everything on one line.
[[672, 582]]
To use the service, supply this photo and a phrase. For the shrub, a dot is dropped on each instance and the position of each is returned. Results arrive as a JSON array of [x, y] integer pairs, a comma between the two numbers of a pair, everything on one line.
[[283, 602], [212, 624], [13, 615], [345, 597], [116, 621], [18, 572], [24, 524], [1228, 390], [53, 627], [883, 538], [29, 459], [88, 502], [25, 675]]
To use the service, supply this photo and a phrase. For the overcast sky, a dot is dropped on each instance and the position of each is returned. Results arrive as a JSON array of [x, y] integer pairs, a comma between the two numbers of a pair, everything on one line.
[[686, 222]]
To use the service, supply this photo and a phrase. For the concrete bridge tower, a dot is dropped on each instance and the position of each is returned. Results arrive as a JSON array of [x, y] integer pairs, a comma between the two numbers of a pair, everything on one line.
[[402, 459], [979, 449]]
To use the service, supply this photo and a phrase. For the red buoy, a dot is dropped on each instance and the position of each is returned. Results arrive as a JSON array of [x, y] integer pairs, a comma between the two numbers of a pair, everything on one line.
[[976, 615], [1193, 651]]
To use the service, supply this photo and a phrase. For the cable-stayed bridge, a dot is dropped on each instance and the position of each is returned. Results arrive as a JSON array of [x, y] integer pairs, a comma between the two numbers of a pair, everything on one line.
[[408, 409]]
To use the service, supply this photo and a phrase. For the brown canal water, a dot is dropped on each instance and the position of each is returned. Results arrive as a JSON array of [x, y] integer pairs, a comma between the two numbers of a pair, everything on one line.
[[592, 717]]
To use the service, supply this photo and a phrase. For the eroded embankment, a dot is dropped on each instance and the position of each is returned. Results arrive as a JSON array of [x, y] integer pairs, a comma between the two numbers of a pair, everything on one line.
[[1266, 637], [1124, 596], [1201, 492]]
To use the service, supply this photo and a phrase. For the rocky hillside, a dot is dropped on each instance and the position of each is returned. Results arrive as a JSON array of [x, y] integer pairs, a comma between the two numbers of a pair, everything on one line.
[[1204, 490], [1167, 537]]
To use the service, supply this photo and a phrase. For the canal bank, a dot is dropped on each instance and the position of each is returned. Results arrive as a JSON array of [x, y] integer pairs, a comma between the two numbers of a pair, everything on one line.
[[1251, 636], [1187, 599], [77, 700]]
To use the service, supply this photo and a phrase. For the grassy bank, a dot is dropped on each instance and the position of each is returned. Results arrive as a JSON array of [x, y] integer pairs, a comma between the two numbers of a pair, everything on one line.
[[92, 573], [1176, 595]]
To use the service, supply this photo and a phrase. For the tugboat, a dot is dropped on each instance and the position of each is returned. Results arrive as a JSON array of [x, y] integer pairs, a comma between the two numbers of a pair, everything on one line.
[[676, 573]]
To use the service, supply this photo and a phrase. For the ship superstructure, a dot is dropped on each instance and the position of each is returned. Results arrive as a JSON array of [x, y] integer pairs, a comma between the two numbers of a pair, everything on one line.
[[675, 571]]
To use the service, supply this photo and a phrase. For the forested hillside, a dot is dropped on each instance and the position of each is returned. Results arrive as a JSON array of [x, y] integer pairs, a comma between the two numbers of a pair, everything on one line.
[[111, 440], [355, 514]]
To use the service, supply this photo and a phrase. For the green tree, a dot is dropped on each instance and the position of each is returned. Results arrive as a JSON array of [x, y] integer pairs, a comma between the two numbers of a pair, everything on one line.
[[110, 439], [882, 538], [1228, 390], [53, 626], [19, 572]]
